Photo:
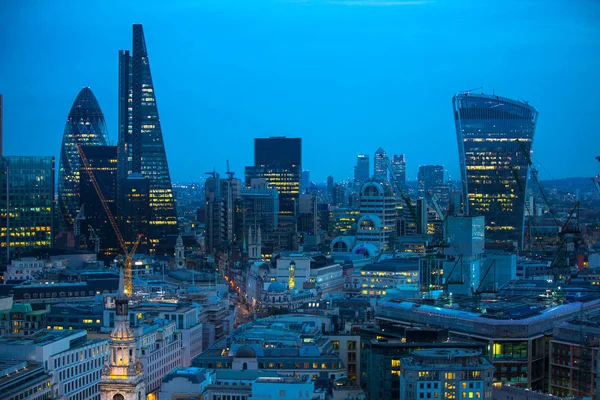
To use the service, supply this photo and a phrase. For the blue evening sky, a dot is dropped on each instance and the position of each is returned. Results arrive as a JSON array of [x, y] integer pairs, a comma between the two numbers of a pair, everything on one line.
[[347, 76]]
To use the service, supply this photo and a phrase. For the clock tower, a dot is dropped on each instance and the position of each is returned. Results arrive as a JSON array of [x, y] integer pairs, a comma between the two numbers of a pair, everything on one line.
[[122, 377]]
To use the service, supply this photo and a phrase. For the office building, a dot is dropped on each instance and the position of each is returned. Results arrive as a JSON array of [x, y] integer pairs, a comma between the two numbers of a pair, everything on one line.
[[72, 361], [446, 374], [430, 177], [495, 136], [379, 165], [513, 328], [24, 380], [20, 319], [330, 185], [260, 206], [399, 168], [1, 124], [278, 161], [339, 196], [286, 345], [575, 358], [361, 169], [305, 180], [85, 126], [141, 146], [103, 164], [377, 221], [28, 181], [135, 208]]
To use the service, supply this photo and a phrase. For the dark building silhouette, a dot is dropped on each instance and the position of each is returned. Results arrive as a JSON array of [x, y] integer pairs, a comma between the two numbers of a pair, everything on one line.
[[103, 164], [429, 177], [85, 126], [141, 147], [27, 188], [399, 168], [379, 167], [494, 135], [361, 170], [278, 160], [136, 212], [1, 126]]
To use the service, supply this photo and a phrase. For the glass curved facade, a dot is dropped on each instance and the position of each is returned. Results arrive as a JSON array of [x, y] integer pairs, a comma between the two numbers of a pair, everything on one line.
[[85, 126], [494, 133]]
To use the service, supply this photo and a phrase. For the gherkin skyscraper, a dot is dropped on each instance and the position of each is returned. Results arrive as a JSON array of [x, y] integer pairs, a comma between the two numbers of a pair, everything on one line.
[[141, 147], [85, 126]]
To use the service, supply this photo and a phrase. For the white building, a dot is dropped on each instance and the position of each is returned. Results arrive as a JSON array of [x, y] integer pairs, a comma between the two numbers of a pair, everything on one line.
[[24, 269], [377, 221], [283, 388], [185, 383], [73, 361], [22, 380]]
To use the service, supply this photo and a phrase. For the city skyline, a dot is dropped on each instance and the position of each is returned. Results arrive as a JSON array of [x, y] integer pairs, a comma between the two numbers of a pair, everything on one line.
[[249, 87]]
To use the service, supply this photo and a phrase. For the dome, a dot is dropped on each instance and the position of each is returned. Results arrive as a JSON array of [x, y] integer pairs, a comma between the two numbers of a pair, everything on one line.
[[276, 287], [377, 186], [366, 249], [342, 244], [245, 352], [369, 222]]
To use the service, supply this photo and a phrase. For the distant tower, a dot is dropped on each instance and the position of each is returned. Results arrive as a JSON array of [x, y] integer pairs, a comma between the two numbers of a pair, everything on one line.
[[399, 168], [379, 167], [179, 253], [254, 244], [361, 169], [330, 185], [122, 377]]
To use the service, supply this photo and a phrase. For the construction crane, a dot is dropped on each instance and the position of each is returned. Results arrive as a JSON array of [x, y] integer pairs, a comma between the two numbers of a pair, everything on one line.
[[534, 174], [447, 280], [77, 228], [407, 200], [554, 265], [128, 253], [467, 92], [94, 238], [229, 172]]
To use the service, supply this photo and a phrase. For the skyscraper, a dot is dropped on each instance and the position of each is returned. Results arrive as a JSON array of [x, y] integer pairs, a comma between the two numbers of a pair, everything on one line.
[[379, 167], [278, 161], [28, 182], [494, 134], [399, 168], [361, 170], [103, 163], [85, 126], [330, 185], [1, 132], [430, 176], [141, 147], [305, 180]]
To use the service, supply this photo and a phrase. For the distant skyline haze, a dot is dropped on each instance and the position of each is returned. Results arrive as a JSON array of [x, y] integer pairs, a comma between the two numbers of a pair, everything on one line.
[[346, 76]]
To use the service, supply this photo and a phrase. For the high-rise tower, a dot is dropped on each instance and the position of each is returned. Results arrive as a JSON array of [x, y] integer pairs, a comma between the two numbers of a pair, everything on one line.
[[379, 167], [141, 146], [493, 134], [399, 168], [85, 126], [361, 170]]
